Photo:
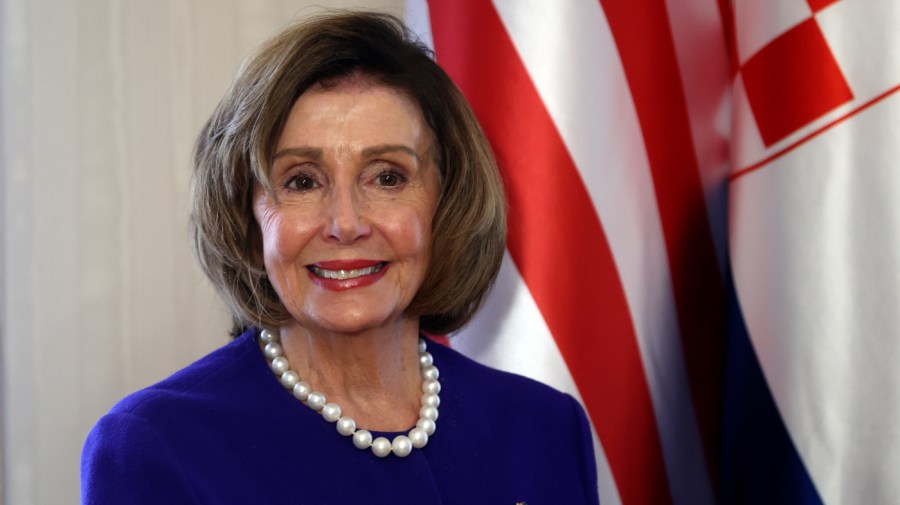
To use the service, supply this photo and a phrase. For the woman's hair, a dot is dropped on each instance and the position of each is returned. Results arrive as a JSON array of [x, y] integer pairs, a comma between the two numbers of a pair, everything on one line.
[[234, 152]]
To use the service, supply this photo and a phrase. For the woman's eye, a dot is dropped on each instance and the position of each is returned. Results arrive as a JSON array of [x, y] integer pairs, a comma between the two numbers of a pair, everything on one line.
[[301, 183], [389, 179]]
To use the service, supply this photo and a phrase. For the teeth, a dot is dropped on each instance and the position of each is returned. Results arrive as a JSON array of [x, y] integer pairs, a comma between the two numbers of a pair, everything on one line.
[[346, 274]]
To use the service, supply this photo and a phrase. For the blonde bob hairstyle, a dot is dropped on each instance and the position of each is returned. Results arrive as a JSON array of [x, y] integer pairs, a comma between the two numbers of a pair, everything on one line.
[[234, 151]]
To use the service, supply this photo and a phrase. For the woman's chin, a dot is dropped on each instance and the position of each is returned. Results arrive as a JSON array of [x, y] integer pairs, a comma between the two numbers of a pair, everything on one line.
[[349, 323]]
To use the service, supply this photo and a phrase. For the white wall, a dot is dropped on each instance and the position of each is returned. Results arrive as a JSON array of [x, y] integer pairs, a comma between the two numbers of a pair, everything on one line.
[[100, 101]]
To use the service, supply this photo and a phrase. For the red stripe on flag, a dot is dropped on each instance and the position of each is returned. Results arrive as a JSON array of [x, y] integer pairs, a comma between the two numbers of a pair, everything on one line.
[[558, 244], [645, 43], [726, 13]]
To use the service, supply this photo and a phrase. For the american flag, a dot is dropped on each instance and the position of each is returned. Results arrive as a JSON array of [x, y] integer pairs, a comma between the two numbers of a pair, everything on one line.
[[704, 234]]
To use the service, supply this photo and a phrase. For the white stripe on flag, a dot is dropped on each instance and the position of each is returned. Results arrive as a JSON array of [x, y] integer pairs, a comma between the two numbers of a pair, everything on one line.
[[571, 56]]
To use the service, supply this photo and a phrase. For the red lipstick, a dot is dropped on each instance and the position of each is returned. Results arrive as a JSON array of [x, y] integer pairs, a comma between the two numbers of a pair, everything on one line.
[[346, 264]]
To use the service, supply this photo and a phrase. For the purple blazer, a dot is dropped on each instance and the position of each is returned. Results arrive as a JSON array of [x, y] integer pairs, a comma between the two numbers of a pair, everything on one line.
[[224, 431]]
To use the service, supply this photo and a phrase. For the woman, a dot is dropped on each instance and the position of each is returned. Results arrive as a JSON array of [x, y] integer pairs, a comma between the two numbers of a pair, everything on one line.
[[344, 201]]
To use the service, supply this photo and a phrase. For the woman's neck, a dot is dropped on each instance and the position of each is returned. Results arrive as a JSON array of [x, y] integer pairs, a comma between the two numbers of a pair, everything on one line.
[[373, 375]]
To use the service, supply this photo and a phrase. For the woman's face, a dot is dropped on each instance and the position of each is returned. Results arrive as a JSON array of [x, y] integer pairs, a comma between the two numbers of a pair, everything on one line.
[[346, 243]]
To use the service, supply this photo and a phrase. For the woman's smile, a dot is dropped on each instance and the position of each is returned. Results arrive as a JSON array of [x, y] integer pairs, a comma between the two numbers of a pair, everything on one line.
[[341, 274]]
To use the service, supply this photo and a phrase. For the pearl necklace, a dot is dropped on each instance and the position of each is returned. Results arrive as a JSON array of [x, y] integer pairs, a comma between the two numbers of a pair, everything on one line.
[[402, 445]]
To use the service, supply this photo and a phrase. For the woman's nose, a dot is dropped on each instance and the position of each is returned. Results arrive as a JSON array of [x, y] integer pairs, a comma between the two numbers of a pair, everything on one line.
[[346, 219]]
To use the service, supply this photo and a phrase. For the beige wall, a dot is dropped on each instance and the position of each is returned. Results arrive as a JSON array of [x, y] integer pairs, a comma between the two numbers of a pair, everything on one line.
[[99, 104]]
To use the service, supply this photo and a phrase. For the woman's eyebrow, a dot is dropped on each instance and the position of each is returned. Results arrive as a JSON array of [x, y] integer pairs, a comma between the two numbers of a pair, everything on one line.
[[386, 148], [307, 152]]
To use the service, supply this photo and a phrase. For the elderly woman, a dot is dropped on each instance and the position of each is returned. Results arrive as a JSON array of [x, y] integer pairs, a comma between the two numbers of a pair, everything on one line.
[[344, 202]]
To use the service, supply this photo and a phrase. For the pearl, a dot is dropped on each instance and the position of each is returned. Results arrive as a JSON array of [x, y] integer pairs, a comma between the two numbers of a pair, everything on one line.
[[279, 365], [431, 400], [428, 412], [430, 373], [381, 447], [346, 426], [331, 412], [418, 437], [267, 336], [289, 379], [431, 386], [401, 446], [302, 390], [315, 401], [362, 439], [426, 425], [273, 350]]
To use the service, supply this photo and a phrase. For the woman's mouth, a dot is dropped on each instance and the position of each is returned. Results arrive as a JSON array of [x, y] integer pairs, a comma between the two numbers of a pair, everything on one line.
[[344, 274], [340, 275]]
